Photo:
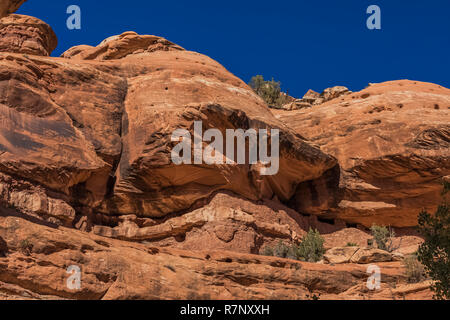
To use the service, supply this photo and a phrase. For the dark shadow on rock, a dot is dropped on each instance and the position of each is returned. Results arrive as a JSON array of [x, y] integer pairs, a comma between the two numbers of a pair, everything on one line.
[[9, 212], [3, 248]]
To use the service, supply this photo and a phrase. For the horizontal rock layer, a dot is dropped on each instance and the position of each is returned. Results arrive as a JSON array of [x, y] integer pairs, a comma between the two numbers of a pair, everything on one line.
[[35, 260], [27, 35]]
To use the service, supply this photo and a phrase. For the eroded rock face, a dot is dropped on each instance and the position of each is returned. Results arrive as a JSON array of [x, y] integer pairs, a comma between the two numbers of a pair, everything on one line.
[[85, 143], [358, 255], [332, 93], [340, 254], [98, 133], [27, 35], [34, 201], [60, 126], [392, 143], [312, 98], [168, 89], [366, 255], [114, 269], [227, 222], [9, 6], [120, 46]]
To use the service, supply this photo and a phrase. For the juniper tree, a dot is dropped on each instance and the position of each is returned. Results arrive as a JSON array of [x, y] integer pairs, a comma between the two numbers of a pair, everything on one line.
[[435, 251]]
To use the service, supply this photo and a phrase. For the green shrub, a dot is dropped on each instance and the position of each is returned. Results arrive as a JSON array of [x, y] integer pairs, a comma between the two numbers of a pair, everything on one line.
[[281, 250], [269, 91], [311, 247], [351, 244], [313, 296], [434, 253], [414, 270], [380, 235], [268, 251], [25, 247], [384, 237]]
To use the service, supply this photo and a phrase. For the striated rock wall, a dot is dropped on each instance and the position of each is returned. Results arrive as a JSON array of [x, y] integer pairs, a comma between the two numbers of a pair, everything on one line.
[[27, 35], [227, 222], [113, 269], [85, 143], [97, 133], [392, 142]]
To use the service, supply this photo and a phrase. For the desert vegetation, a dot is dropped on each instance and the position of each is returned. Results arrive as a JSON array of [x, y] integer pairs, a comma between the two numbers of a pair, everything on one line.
[[384, 237], [414, 270], [435, 251], [310, 248], [269, 91]]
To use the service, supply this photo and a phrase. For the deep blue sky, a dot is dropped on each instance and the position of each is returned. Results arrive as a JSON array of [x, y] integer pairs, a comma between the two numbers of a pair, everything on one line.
[[304, 44]]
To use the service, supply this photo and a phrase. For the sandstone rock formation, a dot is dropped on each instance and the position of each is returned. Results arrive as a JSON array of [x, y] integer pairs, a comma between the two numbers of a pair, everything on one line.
[[146, 182], [366, 255], [312, 98], [296, 105], [340, 254], [114, 269], [392, 141], [225, 223], [96, 135], [9, 6], [357, 255], [86, 176], [27, 35], [120, 46], [332, 93], [86, 141]]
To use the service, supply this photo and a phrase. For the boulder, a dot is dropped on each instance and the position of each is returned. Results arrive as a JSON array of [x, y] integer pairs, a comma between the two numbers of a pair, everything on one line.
[[368, 255], [312, 98], [359, 255], [340, 254], [311, 94], [27, 35], [333, 93], [120, 46], [296, 105]]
